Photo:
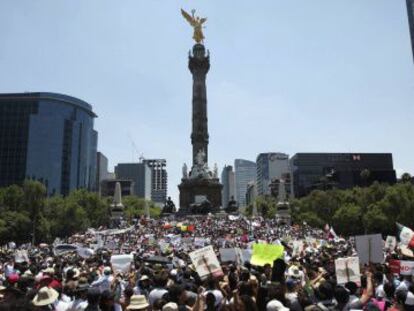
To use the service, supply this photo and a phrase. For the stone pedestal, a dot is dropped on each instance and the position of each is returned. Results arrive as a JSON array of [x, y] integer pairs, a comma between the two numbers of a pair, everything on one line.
[[198, 195]]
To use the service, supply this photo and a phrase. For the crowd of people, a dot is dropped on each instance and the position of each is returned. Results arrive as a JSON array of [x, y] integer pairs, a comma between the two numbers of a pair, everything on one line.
[[79, 274]]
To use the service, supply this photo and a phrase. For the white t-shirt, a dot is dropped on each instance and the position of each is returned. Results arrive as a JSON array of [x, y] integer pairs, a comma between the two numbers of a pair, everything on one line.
[[156, 294]]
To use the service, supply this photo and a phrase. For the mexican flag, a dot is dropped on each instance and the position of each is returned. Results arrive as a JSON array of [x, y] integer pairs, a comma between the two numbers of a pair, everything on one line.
[[406, 235]]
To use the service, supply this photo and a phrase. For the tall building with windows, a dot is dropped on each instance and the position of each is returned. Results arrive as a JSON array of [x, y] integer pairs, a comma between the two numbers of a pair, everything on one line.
[[158, 180], [140, 174], [228, 182], [101, 169], [245, 172], [47, 137], [340, 170], [270, 166]]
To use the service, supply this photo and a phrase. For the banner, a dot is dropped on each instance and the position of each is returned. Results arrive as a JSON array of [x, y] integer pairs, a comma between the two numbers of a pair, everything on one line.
[[205, 262], [266, 253], [347, 270], [121, 263], [369, 248]]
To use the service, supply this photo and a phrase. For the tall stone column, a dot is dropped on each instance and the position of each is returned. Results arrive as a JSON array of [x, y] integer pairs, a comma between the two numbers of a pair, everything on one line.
[[199, 64]]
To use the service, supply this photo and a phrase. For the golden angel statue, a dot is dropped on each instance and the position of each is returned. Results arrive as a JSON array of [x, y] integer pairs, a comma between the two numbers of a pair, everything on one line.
[[197, 23]]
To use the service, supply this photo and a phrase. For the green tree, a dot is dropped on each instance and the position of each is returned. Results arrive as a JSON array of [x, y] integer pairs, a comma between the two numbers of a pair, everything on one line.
[[348, 220], [375, 221], [34, 201], [406, 177], [365, 176]]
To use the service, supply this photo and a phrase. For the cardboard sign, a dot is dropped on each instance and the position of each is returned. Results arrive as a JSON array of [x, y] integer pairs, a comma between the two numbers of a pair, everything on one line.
[[121, 263], [266, 253], [369, 248], [347, 270], [205, 261], [390, 242]]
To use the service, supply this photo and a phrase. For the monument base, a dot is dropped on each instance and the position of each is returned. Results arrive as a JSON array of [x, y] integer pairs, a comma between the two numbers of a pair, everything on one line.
[[199, 196]]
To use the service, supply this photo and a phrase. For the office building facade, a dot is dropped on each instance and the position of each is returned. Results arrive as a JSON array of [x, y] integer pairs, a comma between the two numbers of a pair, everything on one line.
[[339, 170], [101, 169], [270, 166], [159, 179], [108, 187], [245, 172], [140, 174], [228, 182], [47, 137]]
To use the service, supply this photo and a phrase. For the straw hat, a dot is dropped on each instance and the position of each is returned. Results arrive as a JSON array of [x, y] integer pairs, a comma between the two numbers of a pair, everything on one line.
[[45, 296], [138, 302]]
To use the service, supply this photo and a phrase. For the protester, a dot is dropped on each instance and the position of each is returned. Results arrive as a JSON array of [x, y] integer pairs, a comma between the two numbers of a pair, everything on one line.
[[149, 266]]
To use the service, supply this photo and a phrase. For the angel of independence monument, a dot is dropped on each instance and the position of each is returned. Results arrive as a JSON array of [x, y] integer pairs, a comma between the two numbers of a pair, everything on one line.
[[200, 188]]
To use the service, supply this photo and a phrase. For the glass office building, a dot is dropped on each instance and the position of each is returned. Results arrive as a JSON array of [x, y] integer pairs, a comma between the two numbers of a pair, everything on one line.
[[340, 170], [245, 172], [50, 138]]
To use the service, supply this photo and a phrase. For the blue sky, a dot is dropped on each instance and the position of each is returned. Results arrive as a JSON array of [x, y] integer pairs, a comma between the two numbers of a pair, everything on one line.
[[288, 76]]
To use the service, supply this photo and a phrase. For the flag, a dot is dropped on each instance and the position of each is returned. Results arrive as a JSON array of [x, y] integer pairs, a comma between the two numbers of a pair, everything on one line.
[[330, 233], [406, 235]]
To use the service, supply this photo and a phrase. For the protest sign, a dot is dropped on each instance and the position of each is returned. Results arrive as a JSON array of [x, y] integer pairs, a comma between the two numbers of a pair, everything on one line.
[[266, 253], [199, 242], [205, 261], [21, 256], [390, 242], [121, 263], [64, 248], [297, 248], [85, 252], [369, 248], [228, 254], [347, 270]]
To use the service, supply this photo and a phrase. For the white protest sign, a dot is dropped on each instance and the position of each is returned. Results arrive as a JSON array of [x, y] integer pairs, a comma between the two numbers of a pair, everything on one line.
[[206, 262], [121, 263], [347, 270], [369, 248], [21, 256], [390, 242], [199, 242], [406, 267]]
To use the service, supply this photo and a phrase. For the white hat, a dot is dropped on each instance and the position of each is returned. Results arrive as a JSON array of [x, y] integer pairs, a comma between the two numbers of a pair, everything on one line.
[[275, 305], [137, 302], [171, 306], [144, 277], [45, 296]]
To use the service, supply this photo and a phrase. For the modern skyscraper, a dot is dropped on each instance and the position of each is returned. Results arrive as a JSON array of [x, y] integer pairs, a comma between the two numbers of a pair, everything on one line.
[[101, 169], [158, 180], [228, 182], [341, 170], [140, 174], [272, 165], [245, 172], [410, 11], [48, 137]]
